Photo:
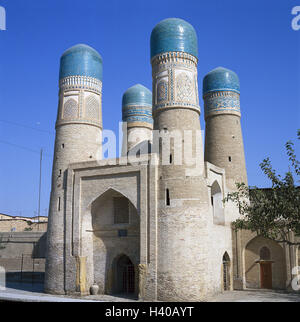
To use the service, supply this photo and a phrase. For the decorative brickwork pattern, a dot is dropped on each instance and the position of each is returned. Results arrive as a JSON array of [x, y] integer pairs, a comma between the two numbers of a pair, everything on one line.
[[70, 109], [92, 108]]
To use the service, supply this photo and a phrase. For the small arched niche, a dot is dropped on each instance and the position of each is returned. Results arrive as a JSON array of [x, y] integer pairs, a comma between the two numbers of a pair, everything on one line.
[[226, 271], [217, 204]]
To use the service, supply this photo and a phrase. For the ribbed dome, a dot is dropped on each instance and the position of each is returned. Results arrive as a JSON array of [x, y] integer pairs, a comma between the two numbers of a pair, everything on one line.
[[221, 79], [174, 34], [81, 60], [137, 105], [137, 95]]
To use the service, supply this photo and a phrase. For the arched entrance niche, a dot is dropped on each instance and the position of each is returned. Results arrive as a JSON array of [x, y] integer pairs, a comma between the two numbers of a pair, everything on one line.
[[116, 230], [264, 264], [226, 272], [217, 204]]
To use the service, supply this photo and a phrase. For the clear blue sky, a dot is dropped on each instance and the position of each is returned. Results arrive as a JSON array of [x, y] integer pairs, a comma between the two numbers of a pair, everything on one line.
[[253, 38]]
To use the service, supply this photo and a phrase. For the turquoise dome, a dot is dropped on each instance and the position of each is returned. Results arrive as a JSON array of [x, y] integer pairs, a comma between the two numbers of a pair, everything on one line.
[[174, 34], [81, 60], [137, 95], [221, 79], [137, 104]]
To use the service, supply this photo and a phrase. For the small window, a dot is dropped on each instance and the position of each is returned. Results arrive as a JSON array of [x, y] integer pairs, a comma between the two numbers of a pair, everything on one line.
[[229, 159], [58, 204], [167, 197], [121, 210], [63, 146], [122, 233], [171, 159], [264, 253]]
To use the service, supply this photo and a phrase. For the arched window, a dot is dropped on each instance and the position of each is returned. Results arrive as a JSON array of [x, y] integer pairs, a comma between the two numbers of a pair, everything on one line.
[[265, 253], [217, 204]]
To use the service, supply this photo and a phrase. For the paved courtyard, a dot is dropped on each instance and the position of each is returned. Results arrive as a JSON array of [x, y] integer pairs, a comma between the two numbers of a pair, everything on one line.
[[27, 292], [34, 293], [257, 296]]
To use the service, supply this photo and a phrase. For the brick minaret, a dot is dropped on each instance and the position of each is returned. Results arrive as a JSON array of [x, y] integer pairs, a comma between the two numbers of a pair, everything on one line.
[[78, 138], [224, 145], [182, 196], [137, 113]]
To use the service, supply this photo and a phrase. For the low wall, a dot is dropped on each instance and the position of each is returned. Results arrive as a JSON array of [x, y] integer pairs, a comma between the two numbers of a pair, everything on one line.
[[22, 255]]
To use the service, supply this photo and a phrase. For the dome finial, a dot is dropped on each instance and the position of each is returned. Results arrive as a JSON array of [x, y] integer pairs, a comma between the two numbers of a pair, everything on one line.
[[174, 34], [137, 95], [81, 60], [221, 79], [137, 106]]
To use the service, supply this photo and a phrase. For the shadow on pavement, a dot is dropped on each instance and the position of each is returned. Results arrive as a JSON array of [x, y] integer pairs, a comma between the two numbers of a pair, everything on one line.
[[26, 286]]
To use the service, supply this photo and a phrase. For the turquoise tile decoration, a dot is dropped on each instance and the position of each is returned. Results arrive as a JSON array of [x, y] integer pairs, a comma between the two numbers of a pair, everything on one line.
[[81, 60], [221, 79], [137, 95], [174, 34], [137, 104]]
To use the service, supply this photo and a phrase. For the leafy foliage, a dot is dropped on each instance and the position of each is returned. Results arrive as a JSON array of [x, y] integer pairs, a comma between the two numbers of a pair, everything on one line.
[[273, 212]]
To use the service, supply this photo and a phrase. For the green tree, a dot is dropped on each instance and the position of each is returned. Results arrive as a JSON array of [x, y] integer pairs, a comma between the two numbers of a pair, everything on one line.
[[29, 223], [272, 212]]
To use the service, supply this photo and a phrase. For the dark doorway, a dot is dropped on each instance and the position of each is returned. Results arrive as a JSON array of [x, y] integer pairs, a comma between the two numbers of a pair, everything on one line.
[[125, 276], [226, 272]]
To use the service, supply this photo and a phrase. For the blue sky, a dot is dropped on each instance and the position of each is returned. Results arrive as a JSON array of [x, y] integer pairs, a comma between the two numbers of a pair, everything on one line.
[[253, 38]]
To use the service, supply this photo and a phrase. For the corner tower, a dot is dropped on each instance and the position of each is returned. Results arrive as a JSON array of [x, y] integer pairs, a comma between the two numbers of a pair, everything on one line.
[[182, 213], [223, 135], [78, 138], [137, 113]]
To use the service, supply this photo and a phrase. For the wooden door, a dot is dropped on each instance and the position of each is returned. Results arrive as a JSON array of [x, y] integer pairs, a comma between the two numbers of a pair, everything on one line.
[[266, 275]]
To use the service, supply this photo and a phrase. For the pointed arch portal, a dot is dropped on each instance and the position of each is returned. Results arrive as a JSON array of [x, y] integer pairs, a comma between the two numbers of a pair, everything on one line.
[[264, 264], [116, 243]]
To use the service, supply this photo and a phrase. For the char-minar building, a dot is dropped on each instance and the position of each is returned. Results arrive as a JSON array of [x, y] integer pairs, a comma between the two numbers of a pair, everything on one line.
[[156, 227]]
